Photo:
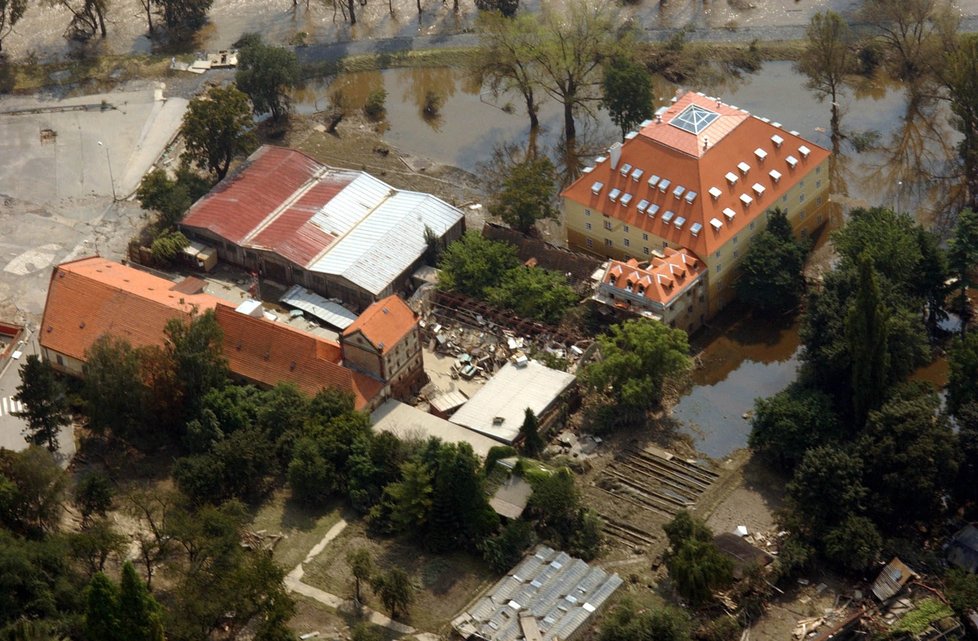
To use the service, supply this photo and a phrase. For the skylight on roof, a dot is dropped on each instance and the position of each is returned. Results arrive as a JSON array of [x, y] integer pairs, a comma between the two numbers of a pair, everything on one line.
[[642, 206], [613, 194], [653, 210], [664, 185], [666, 217], [678, 191], [696, 228], [715, 193], [680, 222], [777, 140], [716, 224], [597, 187], [792, 161], [653, 181], [690, 196], [627, 198], [694, 119], [804, 151], [625, 169], [637, 174]]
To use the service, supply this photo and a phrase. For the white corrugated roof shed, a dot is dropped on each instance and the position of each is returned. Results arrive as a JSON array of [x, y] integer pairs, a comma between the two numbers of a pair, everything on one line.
[[388, 240], [405, 421], [322, 308], [498, 408]]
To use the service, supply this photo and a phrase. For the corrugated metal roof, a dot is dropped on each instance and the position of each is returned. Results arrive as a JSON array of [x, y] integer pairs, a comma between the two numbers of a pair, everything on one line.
[[507, 395], [405, 421], [323, 309]]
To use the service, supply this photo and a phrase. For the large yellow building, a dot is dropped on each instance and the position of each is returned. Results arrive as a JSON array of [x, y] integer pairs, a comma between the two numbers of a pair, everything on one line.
[[702, 175]]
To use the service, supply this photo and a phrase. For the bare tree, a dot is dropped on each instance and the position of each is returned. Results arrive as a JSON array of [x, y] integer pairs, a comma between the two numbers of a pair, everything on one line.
[[152, 510], [827, 59], [915, 32], [11, 11], [505, 57]]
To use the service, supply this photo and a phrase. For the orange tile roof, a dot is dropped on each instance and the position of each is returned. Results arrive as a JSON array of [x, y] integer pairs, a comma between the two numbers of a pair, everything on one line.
[[93, 296], [384, 323], [269, 352], [735, 144], [660, 280]]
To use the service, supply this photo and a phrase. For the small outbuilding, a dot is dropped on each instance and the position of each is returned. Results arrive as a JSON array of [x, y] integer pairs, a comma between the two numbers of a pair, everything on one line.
[[405, 421]]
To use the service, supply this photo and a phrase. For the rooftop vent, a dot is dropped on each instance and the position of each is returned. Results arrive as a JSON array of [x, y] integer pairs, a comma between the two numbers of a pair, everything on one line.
[[775, 175], [625, 169], [731, 177], [792, 161], [729, 213], [715, 193], [678, 191], [716, 224], [690, 196], [666, 217], [696, 228], [804, 151], [777, 140], [642, 206], [760, 153], [613, 194], [747, 200], [637, 174], [664, 185], [627, 198], [743, 167], [758, 189], [596, 187], [615, 153]]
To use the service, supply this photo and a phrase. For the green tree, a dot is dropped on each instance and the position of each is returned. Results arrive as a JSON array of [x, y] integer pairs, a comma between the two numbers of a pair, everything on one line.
[[854, 544], [395, 591], [866, 331], [38, 581], [45, 402], [311, 478], [266, 73], [826, 488], [472, 264], [966, 490], [102, 610], [637, 358], [95, 543], [11, 11], [170, 197], [93, 494], [555, 503], [771, 278], [112, 389], [827, 59], [167, 246], [961, 589], [217, 127], [696, 566], [533, 292], [963, 255], [504, 550], [961, 78], [627, 92], [411, 497], [627, 623], [184, 15], [140, 616], [962, 360], [504, 60], [791, 422], [527, 194], [530, 433], [194, 347], [460, 515], [361, 567], [34, 490]]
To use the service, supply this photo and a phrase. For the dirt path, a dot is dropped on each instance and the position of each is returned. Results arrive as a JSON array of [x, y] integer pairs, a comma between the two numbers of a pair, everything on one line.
[[293, 582]]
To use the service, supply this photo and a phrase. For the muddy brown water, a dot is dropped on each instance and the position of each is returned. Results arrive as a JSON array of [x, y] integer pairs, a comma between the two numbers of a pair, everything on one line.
[[751, 359]]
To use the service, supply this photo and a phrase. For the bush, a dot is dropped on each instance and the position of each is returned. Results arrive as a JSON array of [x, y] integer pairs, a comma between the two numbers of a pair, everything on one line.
[[375, 108], [167, 246]]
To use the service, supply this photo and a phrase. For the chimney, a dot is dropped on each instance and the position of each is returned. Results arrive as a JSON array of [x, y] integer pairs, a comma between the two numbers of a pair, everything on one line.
[[706, 143], [615, 153], [658, 118]]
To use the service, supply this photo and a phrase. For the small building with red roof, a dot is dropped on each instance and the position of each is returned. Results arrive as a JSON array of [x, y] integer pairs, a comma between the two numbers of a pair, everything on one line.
[[669, 288], [340, 233], [94, 296], [702, 175]]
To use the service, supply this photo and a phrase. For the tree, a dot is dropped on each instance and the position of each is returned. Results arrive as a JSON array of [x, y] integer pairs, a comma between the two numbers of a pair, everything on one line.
[[361, 567], [217, 127], [826, 488], [507, 8], [95, 543], [504, 550], [473, 263], [11, 11], [140, 616], [637, 358], [627, 623], [102, 610], [395, 591], [33, 492], [527, 194], [45, 402], [112, 388], [961, 589], [696, 566], [914, 31], [311, 478], [854, 544], [86, 19], [569, 48], [866, 331], [184, 15], [627, 93], [93, 495], [530, 433], [966, 490], [460, 515], [533, 292], [962, 255], [771, 278], [791, 422], [961, 78], [170, 197], [410, 497], [194, 347], [266, 73], [153, 538], [504, 60], [827, 59], [962, 360]]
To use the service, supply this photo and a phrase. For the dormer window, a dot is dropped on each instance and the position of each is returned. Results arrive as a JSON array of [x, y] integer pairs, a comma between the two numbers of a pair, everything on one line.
[[775, 175], [731, 177], [613, 195], [777, 140], [746, 200], [758, 189], [690, 196], [715, 193], [678, 191], [666, 217], [792, 161], [653, 181], [729, 213], [743, 167], [642, 206], [664, 185], [696, 229], [637, 175], [627, 198], [716, 224], [653, 210], [625, 169], [804, 151], [596, 187], [760, 154]]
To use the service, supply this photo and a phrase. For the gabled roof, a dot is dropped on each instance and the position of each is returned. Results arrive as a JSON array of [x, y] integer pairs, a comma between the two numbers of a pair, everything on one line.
[[333, 221], [720, 165], [660, 280], [93, 296], [268, 352], [384, 323]]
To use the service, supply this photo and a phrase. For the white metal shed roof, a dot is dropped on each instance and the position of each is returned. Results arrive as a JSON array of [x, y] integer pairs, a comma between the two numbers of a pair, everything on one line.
[[322, 308], [405, 421]]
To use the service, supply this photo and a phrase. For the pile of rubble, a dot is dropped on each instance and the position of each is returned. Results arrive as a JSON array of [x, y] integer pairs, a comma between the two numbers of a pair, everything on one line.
[[260, 540]]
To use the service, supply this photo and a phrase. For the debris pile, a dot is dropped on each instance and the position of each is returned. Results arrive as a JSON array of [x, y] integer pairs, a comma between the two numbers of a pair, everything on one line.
[[260, 540]]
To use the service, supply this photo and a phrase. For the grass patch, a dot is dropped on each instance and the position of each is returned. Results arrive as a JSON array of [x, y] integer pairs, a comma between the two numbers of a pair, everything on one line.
[[303, 528], [445, 583], [457, 57], [27, 77], [919, 619]]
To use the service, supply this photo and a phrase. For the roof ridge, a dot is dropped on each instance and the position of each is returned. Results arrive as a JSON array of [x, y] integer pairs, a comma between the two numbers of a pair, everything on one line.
[[364, 218], [273, 215]]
